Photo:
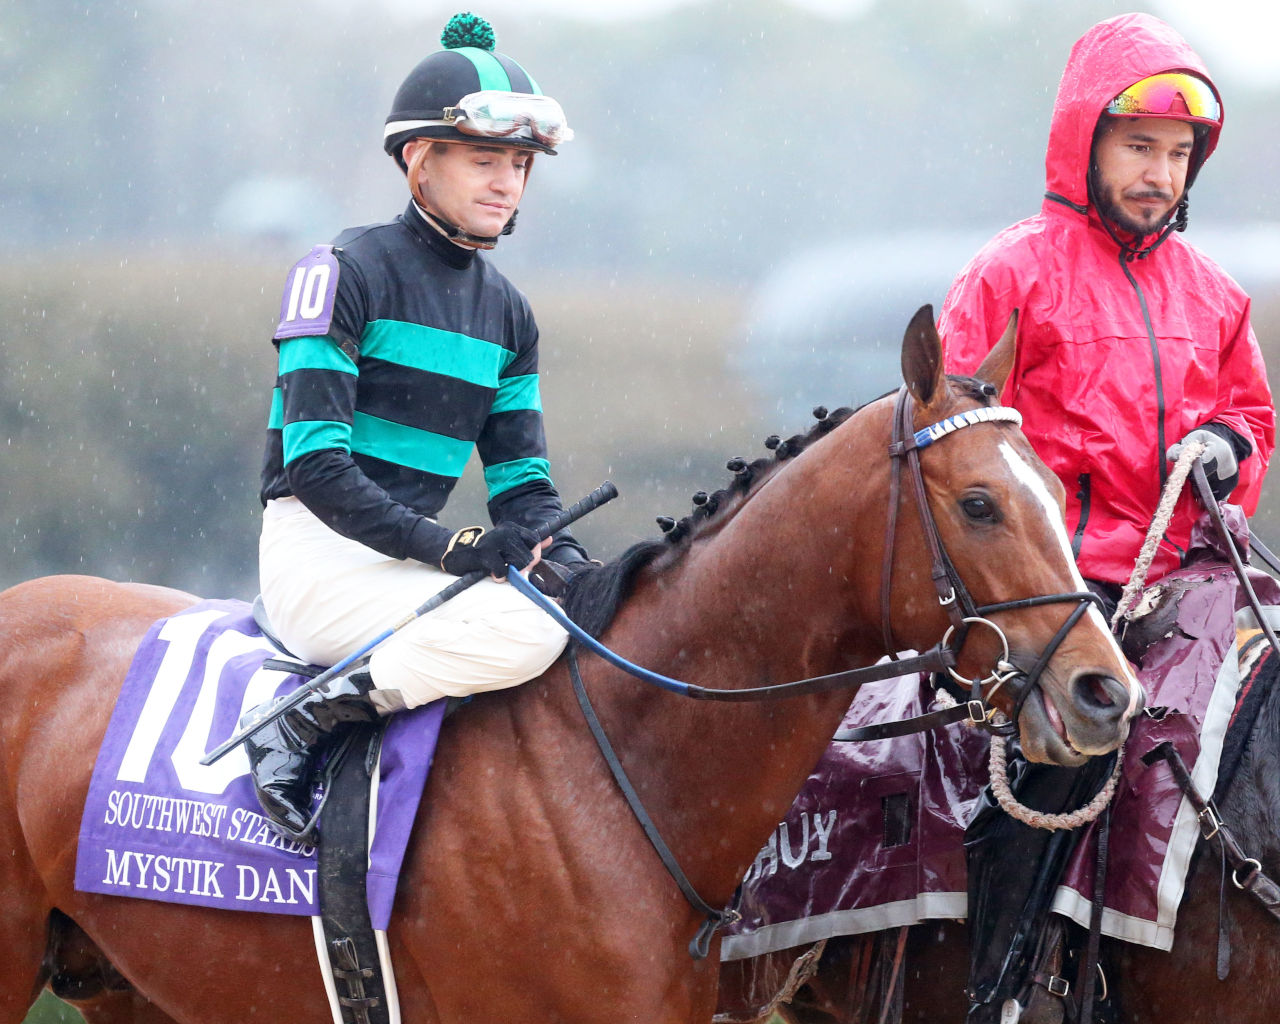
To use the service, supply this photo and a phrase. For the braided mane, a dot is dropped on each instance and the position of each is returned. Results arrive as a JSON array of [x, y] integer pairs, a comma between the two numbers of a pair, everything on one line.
[[593, 596]]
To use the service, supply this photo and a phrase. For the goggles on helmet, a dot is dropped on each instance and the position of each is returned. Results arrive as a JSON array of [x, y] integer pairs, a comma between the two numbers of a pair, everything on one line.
[[493, 114], [1174, 94]]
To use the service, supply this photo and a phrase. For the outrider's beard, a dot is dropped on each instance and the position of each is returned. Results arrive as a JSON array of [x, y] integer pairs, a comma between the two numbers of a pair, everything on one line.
[[1106, 200]]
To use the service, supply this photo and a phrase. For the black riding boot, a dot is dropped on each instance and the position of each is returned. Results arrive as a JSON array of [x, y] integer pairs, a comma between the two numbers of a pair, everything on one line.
[[282, 755], [1013, 872]]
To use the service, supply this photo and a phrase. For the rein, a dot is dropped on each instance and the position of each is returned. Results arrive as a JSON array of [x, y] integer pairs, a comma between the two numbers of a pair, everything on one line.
[[952, 595]]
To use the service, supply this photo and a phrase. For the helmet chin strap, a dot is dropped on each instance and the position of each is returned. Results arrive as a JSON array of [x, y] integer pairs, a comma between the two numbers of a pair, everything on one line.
[[1174, 220], [456, 234]]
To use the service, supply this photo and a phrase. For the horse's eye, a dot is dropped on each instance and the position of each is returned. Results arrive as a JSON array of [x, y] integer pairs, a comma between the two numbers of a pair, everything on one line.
[[979, 508]]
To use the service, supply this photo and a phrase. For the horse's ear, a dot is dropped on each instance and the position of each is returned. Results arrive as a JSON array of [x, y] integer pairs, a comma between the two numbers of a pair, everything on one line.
[[922, 357], [999, 362]]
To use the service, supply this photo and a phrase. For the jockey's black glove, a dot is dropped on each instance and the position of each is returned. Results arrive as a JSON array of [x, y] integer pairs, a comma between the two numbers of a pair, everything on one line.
[[1221, 467], [473, 548]]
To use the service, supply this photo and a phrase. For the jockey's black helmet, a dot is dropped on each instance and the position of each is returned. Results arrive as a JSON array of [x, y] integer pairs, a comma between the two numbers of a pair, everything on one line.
[[468, 64]]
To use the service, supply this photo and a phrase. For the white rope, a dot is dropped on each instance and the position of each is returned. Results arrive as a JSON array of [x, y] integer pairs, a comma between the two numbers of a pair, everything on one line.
[[997, 766], [1191, 451], [1039, 819]]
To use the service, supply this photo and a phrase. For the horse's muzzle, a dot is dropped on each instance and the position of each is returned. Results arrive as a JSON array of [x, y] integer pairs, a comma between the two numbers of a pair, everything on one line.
[[1101, 706]]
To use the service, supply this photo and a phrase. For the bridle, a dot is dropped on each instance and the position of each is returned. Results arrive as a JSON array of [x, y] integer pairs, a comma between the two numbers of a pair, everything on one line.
[[952, 595]]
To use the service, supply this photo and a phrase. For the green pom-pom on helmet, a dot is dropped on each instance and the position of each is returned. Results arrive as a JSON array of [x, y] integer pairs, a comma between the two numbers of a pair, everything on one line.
[[467, 29]]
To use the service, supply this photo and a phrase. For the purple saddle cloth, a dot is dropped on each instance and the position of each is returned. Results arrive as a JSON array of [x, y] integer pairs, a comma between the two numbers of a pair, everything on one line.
[[159, 825]]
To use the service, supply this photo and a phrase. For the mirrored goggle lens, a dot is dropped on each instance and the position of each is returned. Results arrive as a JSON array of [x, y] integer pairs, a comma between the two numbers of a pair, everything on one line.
[[496, 115], [1170, 95]]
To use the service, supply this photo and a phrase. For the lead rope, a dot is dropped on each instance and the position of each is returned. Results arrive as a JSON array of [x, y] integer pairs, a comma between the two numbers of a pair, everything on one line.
[[1191, 451]]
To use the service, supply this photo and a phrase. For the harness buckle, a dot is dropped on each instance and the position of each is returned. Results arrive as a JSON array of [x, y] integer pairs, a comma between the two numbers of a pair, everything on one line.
[[979, 713], [1210, 823], [1255, 868], [1057, 986], [950, 597]]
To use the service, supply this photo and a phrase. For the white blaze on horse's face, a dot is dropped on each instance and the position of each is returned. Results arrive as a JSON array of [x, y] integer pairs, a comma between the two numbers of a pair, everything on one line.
[[1029, 478]]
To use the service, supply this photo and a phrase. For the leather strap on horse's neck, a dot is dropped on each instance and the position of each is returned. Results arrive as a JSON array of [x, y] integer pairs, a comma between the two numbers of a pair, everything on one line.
[[1254, 880], [1087, 977], [1205, 493], [700, 945], [890, 533]]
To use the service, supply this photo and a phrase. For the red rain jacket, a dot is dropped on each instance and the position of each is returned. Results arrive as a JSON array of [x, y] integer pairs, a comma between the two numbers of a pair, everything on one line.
[[1102, 394]]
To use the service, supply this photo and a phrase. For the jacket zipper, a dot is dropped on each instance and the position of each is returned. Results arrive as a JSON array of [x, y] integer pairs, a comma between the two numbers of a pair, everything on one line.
[[1084, 495], [1161, 447]]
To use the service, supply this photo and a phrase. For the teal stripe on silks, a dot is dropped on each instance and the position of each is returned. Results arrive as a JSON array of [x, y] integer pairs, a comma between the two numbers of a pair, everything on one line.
[[275, 418], [315, 352], [518, 393], [506, 475], [428, 348], [492, 74], [409, 446], [308, 436]]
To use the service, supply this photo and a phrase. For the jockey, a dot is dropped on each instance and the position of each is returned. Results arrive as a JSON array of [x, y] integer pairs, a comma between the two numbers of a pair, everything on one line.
[[401, 349], [1130, 342]]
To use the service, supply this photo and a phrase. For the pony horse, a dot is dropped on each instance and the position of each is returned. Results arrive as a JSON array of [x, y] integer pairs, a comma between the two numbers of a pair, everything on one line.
[[529, 891], [1218, 926]]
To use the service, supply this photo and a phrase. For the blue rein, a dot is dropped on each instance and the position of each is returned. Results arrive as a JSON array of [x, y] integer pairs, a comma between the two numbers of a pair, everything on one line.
[[588, 641], [938, 659]]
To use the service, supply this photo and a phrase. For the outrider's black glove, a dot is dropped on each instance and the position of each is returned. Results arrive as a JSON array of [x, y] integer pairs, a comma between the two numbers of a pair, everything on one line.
[[473, 548], [1221, 467]]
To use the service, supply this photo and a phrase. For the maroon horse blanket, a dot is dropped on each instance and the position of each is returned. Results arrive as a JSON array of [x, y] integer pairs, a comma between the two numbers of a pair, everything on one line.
[[874, 839]]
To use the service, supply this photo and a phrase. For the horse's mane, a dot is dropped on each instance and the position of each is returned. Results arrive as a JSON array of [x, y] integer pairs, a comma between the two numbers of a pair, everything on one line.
[[593, 597]]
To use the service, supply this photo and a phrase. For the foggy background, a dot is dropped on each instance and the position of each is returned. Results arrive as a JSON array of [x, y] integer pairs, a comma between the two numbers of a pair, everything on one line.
[[759, 196]]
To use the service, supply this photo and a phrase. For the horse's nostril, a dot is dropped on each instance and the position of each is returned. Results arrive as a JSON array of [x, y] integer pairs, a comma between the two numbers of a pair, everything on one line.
[[1098, 691]]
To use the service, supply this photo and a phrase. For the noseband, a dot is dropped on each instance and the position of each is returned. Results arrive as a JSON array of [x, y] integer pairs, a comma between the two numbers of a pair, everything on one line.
[[953, 595]]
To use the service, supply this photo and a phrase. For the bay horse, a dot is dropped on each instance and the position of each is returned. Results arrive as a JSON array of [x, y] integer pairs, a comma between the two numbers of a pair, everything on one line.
[[1144, 985], [529, 891]]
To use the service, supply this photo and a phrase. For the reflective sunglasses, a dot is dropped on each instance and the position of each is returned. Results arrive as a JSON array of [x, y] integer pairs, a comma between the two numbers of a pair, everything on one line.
[[494, 114], [1172, 94]]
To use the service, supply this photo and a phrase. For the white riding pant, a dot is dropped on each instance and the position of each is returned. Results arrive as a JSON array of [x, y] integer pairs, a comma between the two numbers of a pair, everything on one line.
[[327, 596]]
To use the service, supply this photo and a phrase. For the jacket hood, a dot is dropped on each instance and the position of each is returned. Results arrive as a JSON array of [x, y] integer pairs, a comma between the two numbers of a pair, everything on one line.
[[1104, 62]]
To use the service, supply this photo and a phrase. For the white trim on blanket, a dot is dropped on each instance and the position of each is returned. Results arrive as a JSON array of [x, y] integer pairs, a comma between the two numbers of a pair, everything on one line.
[[1183, 837], [807, 930]]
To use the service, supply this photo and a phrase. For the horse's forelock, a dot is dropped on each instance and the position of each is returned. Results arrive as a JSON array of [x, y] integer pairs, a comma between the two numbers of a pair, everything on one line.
[[972, 387]]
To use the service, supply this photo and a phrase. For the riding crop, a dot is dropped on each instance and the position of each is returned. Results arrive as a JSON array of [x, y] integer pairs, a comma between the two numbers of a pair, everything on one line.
[[605, 492]]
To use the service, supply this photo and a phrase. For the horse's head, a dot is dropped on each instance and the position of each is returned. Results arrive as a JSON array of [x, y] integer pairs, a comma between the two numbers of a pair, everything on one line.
[[999, 520]]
